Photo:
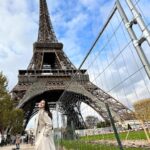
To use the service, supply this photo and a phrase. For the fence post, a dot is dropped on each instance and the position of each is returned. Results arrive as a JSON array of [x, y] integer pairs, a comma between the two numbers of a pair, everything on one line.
[[114, 127], [136, 42]]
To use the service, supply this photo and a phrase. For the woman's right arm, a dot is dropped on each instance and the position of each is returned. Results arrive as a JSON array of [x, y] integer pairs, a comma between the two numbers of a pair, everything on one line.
[[48, 124]]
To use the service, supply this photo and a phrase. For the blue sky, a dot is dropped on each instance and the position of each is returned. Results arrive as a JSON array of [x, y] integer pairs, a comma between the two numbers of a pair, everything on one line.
[[76, 24]]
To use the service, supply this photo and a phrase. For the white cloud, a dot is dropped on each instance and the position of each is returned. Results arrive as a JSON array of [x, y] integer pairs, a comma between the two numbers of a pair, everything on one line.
[[90, 4], [16, 39], [132, 89], [76, 24]]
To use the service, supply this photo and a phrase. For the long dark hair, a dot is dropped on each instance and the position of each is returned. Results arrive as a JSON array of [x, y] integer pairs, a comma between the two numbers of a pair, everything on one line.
[[46, 108]]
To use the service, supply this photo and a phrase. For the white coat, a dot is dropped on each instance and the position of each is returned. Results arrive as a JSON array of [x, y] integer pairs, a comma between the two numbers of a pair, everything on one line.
[[43, 132], [0, 138]]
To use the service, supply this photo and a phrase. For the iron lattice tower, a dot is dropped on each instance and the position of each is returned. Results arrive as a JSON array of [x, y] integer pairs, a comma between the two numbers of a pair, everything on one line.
[[50, 71]]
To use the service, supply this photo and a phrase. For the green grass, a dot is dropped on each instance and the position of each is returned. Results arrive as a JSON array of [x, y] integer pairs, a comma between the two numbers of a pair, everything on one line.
[[78, 145], [82, 143], [133, 135]]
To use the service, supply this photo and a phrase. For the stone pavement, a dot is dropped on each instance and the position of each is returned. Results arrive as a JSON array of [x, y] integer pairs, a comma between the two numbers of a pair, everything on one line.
[[22, 147]]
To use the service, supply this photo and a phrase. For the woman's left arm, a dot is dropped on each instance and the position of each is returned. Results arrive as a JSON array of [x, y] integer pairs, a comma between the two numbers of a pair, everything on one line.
[[48, 124]]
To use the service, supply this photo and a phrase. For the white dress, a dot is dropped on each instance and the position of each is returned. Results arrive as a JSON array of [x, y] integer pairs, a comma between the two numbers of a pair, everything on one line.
[[43, 132]]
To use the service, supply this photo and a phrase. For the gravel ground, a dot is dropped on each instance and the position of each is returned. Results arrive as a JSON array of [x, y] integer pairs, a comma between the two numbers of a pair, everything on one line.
[[126, 143], [22, 147]]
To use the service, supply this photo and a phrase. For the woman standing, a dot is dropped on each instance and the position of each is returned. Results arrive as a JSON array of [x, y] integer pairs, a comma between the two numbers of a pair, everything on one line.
[[43, 128]]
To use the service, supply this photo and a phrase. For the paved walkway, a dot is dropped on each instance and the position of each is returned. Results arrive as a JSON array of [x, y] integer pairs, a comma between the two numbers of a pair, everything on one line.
[[22, 147]]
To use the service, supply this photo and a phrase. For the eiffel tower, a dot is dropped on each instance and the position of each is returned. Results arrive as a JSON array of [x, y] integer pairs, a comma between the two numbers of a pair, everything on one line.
[[48, 74]]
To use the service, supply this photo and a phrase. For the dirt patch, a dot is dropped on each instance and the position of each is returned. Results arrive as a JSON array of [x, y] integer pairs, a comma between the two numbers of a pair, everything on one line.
[[126, 143]]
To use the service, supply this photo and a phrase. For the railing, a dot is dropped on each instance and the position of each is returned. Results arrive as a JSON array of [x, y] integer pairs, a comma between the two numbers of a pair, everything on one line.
[[48, 45], [33, 75], [49, 72]]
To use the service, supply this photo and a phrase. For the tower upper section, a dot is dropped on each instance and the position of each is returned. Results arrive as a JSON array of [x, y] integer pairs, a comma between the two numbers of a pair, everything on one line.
[[46, 33]]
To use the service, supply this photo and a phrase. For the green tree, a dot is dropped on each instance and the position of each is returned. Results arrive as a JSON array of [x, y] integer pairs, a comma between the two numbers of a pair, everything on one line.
[[3, 86], [103, 124], [17, 121], [91, 121], [5, 103], [9, 116], [142, 112], [142, 109]]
